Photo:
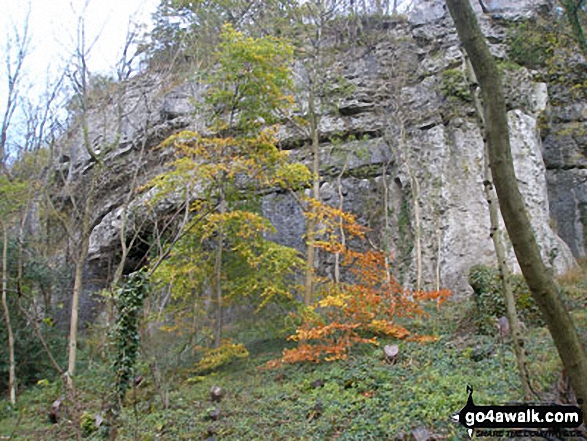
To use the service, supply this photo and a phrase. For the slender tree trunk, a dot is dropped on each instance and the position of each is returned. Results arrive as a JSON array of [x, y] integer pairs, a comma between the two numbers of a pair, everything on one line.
[[340, 228], [386, 226], [218, 270], [415, 191], [572, 9], [84, 244], [438, 251], [509, 299], [417, 229], [311, 226], [537, 275], [32, 321], [397, 117], [12, 362], [504, 271], [73, 326]]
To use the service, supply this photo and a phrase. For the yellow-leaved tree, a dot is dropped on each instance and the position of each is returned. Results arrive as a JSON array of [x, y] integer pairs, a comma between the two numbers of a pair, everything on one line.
[[224, 256]]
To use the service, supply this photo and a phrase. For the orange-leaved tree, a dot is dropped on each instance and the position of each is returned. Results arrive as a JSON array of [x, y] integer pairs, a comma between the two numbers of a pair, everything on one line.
[[369, 304]]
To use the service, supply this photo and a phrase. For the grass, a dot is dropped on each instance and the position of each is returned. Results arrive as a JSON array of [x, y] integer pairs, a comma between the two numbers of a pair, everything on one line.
[[361, 398]]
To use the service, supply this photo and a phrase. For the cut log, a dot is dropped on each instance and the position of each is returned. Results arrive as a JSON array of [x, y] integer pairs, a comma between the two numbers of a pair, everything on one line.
[[55, 411], [216, 394], [391, 353], [503, 326]]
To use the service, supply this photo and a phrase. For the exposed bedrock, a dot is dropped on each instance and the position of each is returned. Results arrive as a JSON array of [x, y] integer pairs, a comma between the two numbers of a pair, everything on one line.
[[406, 142]]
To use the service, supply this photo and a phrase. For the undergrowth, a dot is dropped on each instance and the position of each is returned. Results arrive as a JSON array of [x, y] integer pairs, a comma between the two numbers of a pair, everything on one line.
[[359, 398]]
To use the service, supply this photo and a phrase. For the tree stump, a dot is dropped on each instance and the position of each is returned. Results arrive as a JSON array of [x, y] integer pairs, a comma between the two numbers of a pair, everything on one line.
[[55, 411], [216, 394], [391, 354]]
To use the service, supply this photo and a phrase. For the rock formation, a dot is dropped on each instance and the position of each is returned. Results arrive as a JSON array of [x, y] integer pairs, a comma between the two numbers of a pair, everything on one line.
[[405, 131]]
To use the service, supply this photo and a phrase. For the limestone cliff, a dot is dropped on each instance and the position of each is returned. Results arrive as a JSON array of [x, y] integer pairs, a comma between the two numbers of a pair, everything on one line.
[[406, 143]]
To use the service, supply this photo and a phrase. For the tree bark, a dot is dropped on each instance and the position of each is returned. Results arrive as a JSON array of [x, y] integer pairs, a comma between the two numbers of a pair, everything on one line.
[[311, 225], [337, 259], [572, 9], [218, 268], [537, 275], [12, 361], [77, 290], [502, 265]]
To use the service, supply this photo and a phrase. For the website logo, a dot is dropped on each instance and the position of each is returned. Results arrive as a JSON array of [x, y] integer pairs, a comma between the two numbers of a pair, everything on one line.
[[522, 419]]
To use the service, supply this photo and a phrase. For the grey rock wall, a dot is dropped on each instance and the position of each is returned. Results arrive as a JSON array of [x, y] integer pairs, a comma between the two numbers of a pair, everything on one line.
[[399, 132], [565, 156]]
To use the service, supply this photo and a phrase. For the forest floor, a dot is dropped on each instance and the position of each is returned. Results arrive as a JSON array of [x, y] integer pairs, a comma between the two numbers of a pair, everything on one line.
[[361, 398]]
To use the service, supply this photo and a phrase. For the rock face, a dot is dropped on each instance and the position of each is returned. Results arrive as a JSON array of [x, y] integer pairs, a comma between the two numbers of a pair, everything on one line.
[[409, 156], [565, 156]]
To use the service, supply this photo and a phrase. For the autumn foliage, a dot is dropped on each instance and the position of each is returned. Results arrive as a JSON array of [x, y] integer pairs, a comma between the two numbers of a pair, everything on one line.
[[371, 304]]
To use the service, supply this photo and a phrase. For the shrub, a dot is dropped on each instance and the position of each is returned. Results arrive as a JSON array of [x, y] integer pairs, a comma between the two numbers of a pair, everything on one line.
[[489, 299], [373, 303], [225, 354], [527, 44], [454, 85]]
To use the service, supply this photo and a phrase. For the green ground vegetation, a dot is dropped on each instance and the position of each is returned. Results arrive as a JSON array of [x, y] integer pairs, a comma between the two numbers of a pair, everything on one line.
[[362, 397]]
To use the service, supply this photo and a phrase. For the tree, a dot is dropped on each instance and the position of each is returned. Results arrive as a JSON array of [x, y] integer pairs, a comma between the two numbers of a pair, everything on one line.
[[16, 51], [314, 16], [502, 265], [190, 30], [12, 192], [537, 275], [91, 142], [356, 312], [13, 197], [231, 166]]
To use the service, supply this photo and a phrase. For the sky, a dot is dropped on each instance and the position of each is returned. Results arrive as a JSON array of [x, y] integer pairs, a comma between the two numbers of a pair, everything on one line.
[[53, 28], [53, 25]]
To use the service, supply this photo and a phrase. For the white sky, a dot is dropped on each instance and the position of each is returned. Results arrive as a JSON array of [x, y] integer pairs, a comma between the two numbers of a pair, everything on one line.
[[53, 28], [53, 25]]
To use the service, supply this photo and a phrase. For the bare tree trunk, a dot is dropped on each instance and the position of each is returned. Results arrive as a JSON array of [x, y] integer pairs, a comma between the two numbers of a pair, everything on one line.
[[13, 75], [218, 271], [417, 229], [505, 274], [12, 361], [32, 321], [572, 9], [311, 226], [415, 191], [77, 290], [340, 228], [386, 226], [502, 266], [438, 253], [397, 117], [537, 275]]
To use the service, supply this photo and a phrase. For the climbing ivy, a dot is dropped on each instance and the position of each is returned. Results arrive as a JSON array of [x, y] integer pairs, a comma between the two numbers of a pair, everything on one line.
[[486, 284], [126, 337]]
